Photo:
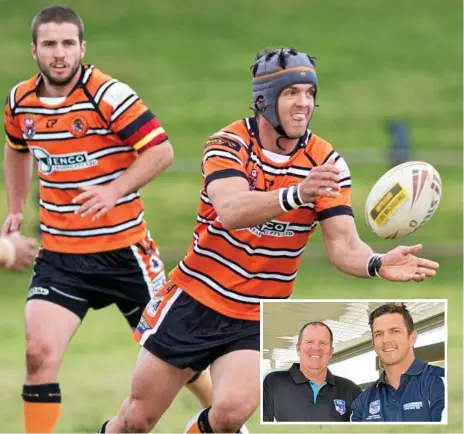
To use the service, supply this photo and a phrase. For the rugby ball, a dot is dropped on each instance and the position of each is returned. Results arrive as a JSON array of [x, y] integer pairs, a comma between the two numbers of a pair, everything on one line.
[[403, 199]]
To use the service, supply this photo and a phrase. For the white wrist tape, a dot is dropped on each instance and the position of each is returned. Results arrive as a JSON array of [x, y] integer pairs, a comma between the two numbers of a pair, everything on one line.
[[9, 251], [290, 198]]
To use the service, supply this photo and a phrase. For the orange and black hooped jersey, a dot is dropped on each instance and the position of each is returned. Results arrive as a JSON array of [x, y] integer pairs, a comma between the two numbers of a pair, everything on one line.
[[231, 271], [88, 139]]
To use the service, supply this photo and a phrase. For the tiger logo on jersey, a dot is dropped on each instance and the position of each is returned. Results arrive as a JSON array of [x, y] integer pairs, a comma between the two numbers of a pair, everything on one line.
[[79, 126]]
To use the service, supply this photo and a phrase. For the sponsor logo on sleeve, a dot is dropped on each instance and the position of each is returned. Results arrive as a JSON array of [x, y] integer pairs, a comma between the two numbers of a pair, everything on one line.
[[220, 141]]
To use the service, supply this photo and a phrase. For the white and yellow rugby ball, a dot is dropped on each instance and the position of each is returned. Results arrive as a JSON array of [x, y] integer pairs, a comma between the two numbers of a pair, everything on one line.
[[403, 199]]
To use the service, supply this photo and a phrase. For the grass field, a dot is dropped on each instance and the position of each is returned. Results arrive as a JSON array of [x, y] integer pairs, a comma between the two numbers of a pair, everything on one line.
[[189, 60]]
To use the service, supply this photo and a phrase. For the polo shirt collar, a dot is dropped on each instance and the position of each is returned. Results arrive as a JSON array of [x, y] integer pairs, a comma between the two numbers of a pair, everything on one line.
[[299, 378], [416, 368]]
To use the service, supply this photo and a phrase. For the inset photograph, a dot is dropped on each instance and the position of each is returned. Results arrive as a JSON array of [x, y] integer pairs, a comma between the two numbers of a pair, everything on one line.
[[353, 361]]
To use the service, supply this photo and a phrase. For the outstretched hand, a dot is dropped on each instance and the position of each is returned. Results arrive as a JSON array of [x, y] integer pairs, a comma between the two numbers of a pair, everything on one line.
[[401, 265]]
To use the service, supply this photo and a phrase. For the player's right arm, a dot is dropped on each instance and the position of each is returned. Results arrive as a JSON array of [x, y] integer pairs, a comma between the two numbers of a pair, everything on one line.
[[227, 187], [18, 172], [238, 207]]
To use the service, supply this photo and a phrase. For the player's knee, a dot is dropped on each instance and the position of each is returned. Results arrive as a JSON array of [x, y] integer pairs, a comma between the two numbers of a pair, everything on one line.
[[137, 419], [230, 415], [134, 424], [39, 356]]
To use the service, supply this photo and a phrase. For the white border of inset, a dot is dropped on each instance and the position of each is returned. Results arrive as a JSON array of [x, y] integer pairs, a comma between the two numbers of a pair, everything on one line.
[[444, 420]]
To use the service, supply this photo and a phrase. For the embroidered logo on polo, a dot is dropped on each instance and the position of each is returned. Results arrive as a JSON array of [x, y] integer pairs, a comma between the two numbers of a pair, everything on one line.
[[413, 405], [374, 407], [340, 406], [374, 410]]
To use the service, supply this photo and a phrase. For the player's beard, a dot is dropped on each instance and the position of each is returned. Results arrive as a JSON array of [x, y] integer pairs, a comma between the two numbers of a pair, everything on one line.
[[61, 82]]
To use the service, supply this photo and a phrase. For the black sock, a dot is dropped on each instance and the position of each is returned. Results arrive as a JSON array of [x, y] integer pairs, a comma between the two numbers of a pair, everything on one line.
[[195, 377], [42, 393], [203, 422], [103, 428]]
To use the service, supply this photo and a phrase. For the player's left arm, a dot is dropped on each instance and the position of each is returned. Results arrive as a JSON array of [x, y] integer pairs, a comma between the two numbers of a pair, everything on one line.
[[100, 199], [149, 165], [436, 394], [344, 247], [352, 256], [137, 127]]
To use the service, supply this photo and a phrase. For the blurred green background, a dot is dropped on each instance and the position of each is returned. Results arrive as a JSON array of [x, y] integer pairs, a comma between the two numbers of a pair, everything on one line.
[[189, 60]]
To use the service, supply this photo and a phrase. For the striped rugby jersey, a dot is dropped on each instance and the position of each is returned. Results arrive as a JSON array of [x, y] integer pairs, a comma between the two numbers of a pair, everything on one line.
[[90, 138], [230, 271]]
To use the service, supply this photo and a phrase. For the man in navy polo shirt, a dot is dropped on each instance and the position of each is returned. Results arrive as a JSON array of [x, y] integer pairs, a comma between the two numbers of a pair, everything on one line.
[[308, 391], [409, 390]]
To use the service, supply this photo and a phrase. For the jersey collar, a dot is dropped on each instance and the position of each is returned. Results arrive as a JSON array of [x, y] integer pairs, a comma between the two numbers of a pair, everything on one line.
[[253, 130], [86, 72], [299, 378]]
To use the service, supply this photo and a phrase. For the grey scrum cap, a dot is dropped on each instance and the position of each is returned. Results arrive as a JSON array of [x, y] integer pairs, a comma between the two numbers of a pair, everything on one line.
[[273, 72]]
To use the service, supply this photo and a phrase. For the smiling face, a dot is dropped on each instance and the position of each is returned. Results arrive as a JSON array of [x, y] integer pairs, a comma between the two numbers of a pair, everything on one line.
[[390, 338], [315, 349], [295, 106], [58, 52]]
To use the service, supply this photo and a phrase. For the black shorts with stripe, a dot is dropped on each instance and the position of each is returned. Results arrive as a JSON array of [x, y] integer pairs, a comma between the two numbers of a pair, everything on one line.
[[128, 277], [187, 334]]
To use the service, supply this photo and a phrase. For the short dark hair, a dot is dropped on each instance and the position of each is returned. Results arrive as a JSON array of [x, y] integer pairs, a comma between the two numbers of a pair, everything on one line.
[[57, 14], [393, 308], [315, 323]]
